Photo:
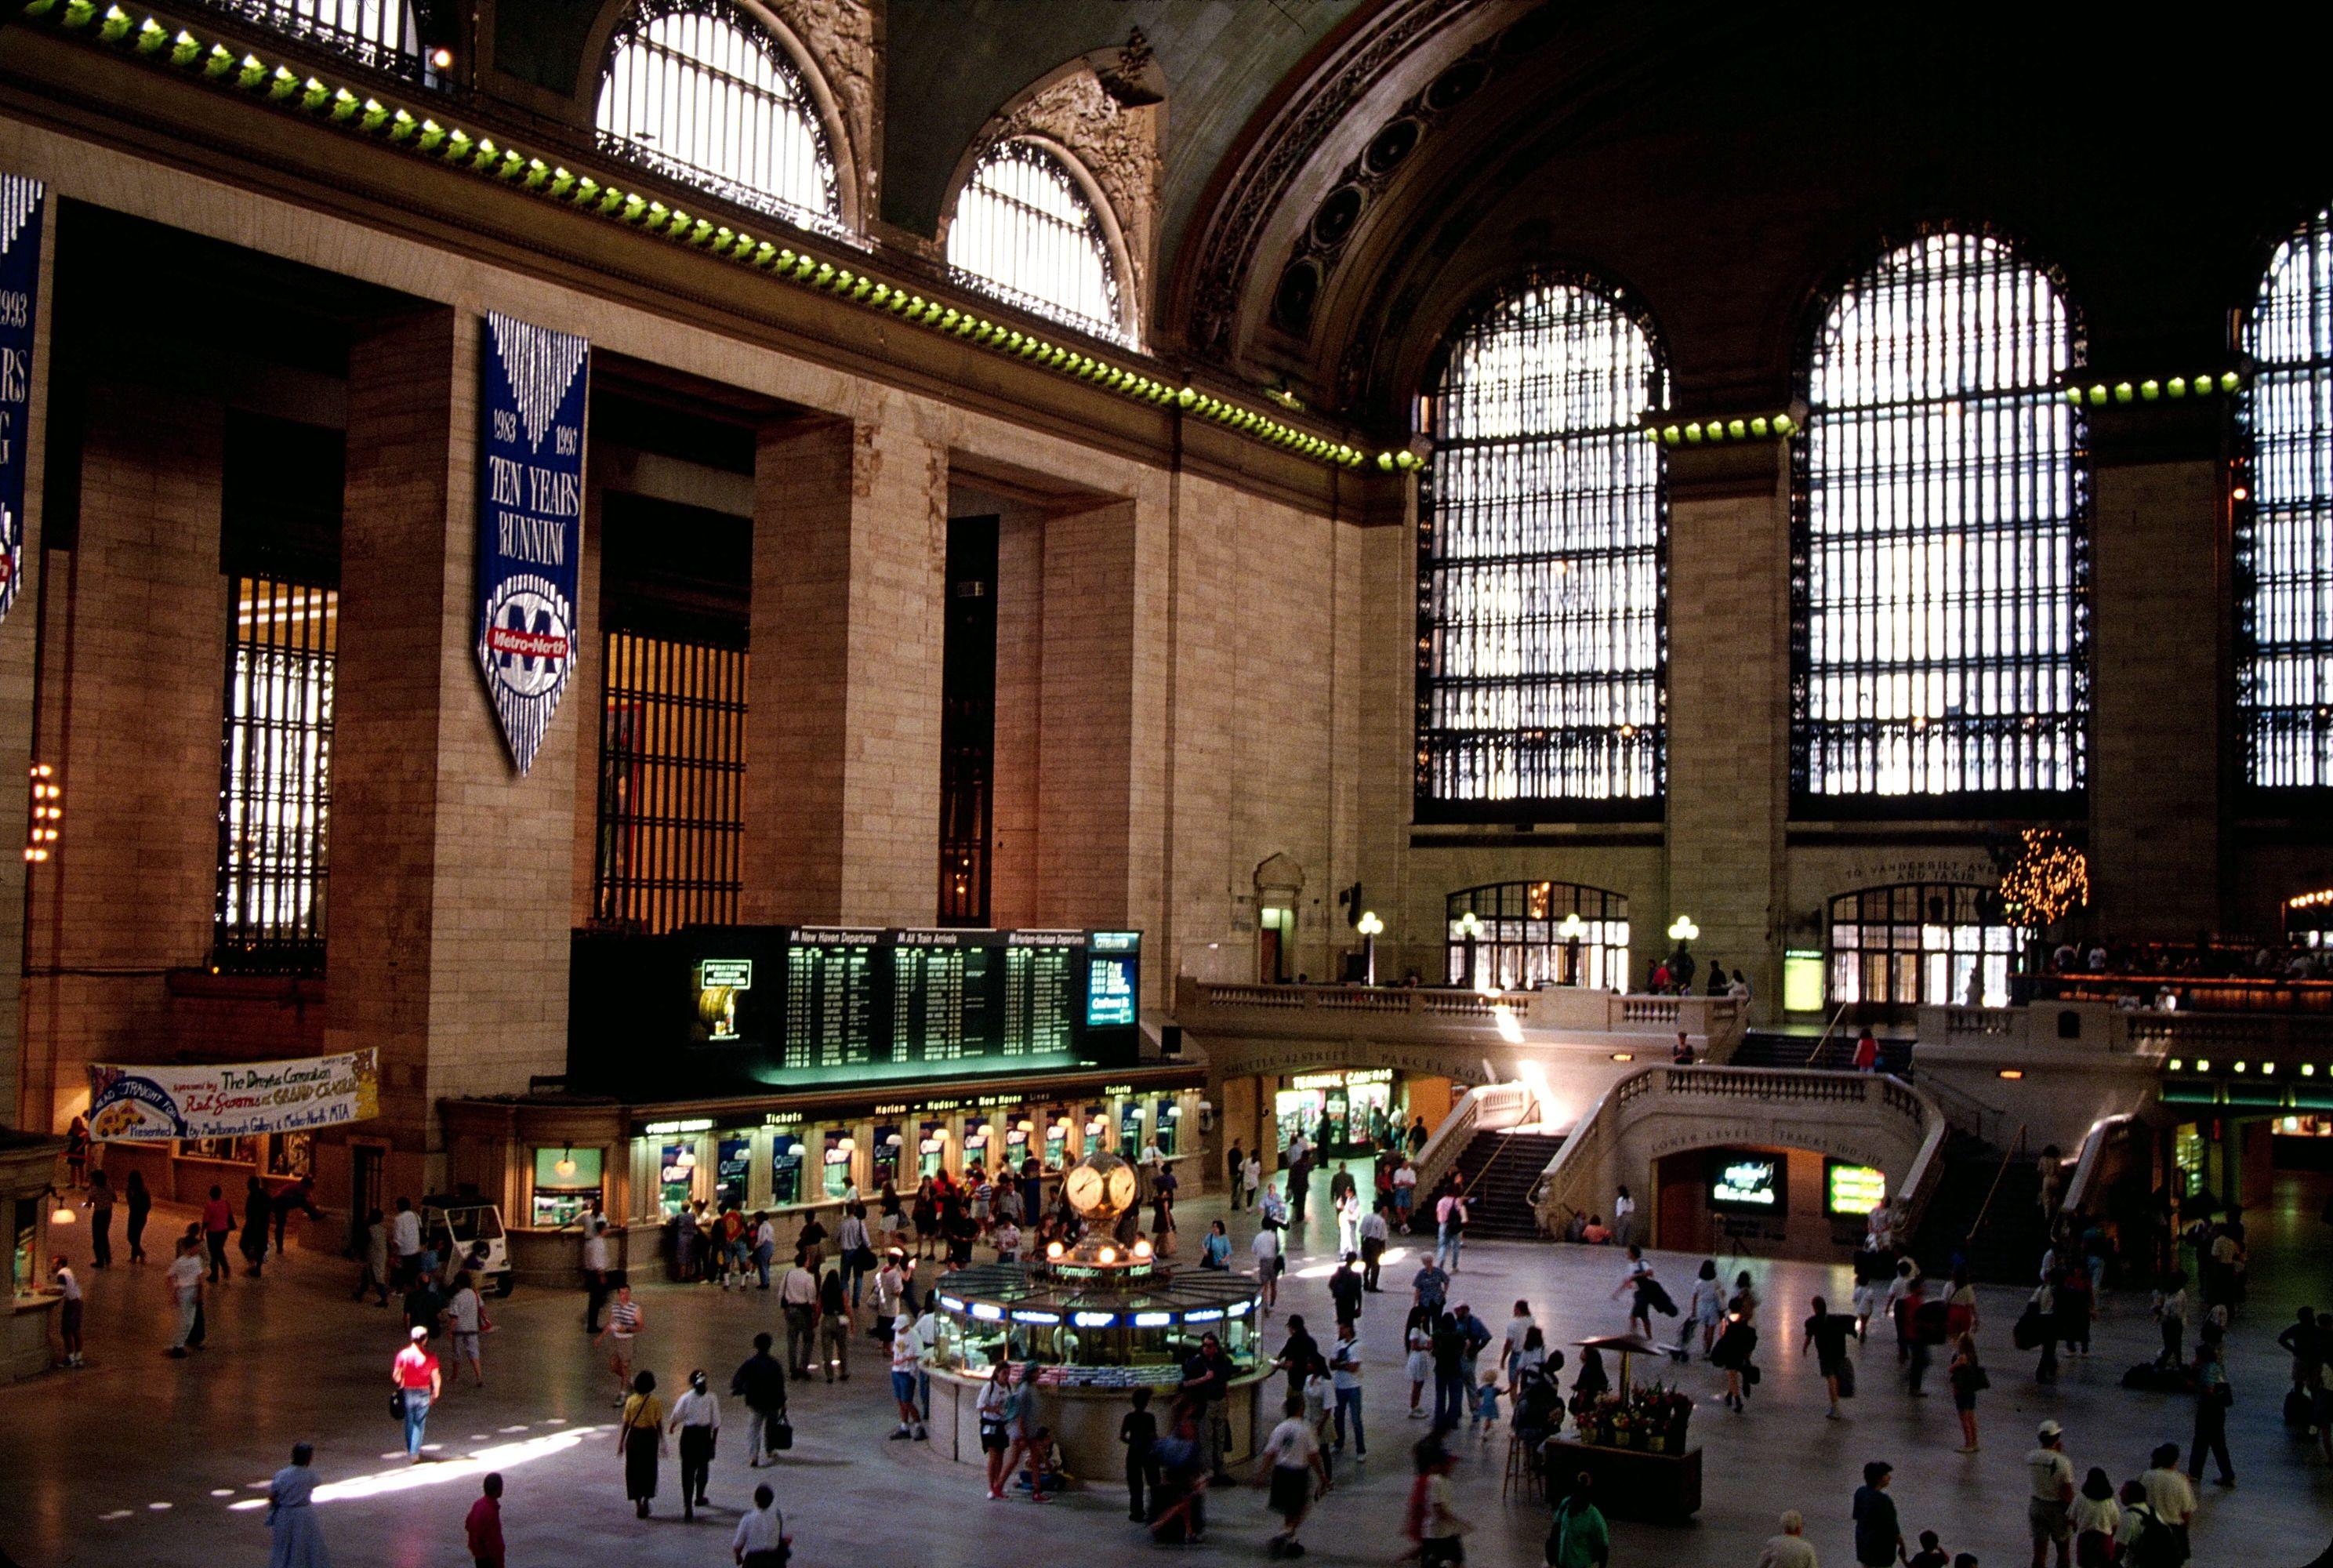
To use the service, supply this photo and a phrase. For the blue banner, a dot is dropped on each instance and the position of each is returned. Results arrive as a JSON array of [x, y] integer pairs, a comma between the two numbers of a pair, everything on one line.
[[20, 281], [530, 523]]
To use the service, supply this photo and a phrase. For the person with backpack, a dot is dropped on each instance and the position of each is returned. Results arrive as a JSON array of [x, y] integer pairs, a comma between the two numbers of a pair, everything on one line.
[[2169, 1493], [1580, 1538], [2143, 1538]]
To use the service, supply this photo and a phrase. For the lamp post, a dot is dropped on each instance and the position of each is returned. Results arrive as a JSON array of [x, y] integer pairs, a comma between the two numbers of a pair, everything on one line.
[[1369, 926], [1469, 927], [1682, 930], [1571, 930]]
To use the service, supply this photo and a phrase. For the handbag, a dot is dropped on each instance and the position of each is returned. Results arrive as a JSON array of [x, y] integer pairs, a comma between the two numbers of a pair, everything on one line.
[[397, 1404], [781, 1432]]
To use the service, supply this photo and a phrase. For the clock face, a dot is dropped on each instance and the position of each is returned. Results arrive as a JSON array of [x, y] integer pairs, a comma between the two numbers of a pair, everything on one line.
[[1121, 1187], [1083, 1186]]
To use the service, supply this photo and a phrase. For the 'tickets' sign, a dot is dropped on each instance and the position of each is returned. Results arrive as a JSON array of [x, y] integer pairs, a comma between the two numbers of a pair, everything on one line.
[[20, 278], [530, 521]]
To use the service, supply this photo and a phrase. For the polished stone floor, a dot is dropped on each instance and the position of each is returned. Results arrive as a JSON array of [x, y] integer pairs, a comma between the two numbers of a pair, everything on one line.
[[142, 1459]]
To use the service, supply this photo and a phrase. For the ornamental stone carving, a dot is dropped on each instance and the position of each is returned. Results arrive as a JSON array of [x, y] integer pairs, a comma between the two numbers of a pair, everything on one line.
[[840, 36], [1116, 141]]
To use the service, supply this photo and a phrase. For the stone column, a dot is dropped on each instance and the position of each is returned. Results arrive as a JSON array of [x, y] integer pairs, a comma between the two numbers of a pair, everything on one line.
[[1086, 719], [1728, 712], [2160, 605], [843, 767], [452, 878]]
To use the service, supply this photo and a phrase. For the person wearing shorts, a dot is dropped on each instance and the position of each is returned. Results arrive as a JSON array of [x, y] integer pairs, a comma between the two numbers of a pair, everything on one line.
[[2053, 1490], [907, 1360], [1291, 1457]]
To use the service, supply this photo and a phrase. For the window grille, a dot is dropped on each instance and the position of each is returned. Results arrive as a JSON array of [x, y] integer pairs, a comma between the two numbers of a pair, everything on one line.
[[1542, 564], [1522, 938], [1940, 551], [1933, 944], [381, 34], [672, 785], [705, 96], [1025, 232], [275, 778], [2284, 520]]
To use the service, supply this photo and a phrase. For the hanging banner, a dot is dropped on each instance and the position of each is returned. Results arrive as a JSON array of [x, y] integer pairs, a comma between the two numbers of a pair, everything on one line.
[[133, 1104], [20, 280], [530, 521]]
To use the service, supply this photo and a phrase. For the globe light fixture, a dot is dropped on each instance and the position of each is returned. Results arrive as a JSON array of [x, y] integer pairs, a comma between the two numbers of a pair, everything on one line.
[[1683, 929]]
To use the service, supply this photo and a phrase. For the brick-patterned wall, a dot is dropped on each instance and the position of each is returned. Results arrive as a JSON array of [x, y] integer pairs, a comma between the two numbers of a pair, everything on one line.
[[1085, 718], [2158, 582], [842, 742], [134, 670], [449, 942], [1013, 826]]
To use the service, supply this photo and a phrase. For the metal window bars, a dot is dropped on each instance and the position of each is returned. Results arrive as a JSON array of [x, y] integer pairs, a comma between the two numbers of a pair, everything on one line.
[[1520, 941], [1024, 233], [1543, 547], [2284, 526], [384, 35], [1940, 553], [672, 785], [701, 94], [275, 787]]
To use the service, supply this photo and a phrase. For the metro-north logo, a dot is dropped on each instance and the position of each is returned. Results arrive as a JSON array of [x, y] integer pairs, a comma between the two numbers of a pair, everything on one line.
[[526, 639]]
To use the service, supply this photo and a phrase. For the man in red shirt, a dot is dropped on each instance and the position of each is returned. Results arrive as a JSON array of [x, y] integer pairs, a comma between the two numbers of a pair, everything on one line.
[[219, 1220], [484, 1525]]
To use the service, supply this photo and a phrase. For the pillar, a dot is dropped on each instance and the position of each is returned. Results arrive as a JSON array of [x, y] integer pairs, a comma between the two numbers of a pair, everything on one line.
[[1728, 711], [451, 875], [842, 768], [19, 662], [2160, 603]]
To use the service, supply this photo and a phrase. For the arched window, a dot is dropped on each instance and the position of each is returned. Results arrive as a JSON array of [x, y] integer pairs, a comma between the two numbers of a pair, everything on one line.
[[1026, 232], [1541, 538], [1524, 934], [1940, 549], [1937, 944], [703, 94], [2284, 527]]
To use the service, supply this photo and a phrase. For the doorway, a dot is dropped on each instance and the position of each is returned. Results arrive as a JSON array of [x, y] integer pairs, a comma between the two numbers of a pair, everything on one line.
[[1275, 929], [365, 1161]]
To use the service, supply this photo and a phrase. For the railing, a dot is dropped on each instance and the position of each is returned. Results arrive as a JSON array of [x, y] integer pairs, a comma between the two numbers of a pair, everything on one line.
[[2120, 1031], [1591, 1138], [1489, 1108], [1715, 1021], [2008, 1153], [376, 33], [2086, 1165], [2219, 993], [1978, 1119]]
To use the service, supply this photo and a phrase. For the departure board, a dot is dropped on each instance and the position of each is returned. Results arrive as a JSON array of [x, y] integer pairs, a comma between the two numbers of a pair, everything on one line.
[[770, 1006]]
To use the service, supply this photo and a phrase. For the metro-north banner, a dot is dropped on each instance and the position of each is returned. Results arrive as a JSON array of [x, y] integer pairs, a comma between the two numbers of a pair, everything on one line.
[[530, 521]]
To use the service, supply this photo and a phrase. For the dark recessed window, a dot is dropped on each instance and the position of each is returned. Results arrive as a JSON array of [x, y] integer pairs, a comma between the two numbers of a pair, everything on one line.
[[1940, 553], [2284, 520], [1541, 538]]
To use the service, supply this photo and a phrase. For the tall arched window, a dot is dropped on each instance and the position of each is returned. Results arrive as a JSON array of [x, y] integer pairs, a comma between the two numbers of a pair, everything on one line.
[[1026, 232], [701, 94], [1541, 539], [2284, 527], [1940, 550]]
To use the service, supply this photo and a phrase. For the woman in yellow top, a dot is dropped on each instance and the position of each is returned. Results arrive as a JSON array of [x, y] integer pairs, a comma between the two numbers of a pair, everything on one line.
[[640, 1440]]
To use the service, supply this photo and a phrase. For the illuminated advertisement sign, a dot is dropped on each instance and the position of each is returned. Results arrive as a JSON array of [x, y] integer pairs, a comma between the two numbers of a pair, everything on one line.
[[1740, 1182], [1853, 1190]]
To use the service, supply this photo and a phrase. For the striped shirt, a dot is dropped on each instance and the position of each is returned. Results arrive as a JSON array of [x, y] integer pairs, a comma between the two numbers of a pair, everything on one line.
[[624, 1319]]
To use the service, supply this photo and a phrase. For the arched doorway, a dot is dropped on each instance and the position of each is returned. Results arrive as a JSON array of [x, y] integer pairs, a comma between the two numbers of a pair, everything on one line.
[[1524, 934], [1915, 944]]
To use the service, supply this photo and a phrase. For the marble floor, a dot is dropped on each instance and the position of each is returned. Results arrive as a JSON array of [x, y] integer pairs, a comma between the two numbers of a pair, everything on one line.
[[143, 1459]]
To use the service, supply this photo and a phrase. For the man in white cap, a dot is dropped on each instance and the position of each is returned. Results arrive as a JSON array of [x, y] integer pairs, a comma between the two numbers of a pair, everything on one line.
[[1791, 1549], [2053, 1492]]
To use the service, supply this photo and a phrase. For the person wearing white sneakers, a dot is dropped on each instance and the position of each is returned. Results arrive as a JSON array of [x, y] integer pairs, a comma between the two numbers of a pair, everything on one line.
[[907, 1360], [69, 1312]]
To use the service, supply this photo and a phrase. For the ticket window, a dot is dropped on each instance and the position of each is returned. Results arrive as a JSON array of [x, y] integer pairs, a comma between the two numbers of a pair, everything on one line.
[[835, 1163], [732, 1170], [931, 1149], [979, 1145], [676, 1177], [890, 1145], [785, 1167], [566, 1186], [1095, 1129], [1129, 1129], [1170, 1115], [1057, 1138], [1016, 1144]]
